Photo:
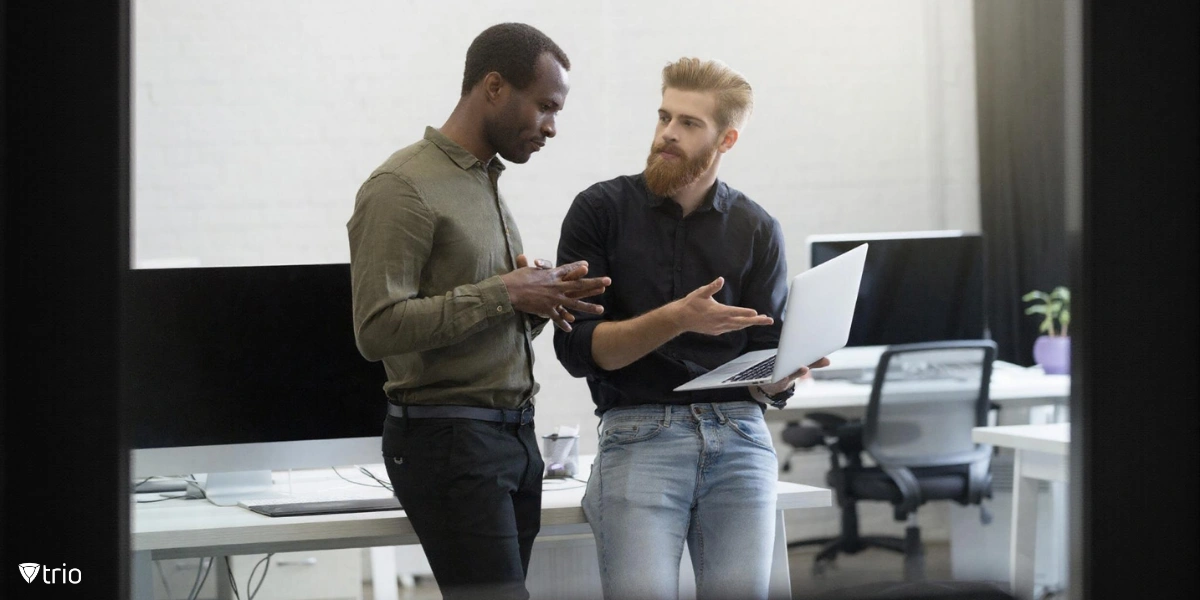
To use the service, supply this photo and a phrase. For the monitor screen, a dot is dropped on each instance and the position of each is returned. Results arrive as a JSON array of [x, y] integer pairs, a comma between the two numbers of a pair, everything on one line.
[[234, 357], [916, 286]]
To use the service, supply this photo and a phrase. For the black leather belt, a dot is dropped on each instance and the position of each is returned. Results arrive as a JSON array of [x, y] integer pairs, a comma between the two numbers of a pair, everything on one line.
[[497, 415]]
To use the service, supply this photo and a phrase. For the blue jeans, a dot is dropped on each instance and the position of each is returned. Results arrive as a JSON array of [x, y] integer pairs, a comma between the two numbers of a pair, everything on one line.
[[704, 473]]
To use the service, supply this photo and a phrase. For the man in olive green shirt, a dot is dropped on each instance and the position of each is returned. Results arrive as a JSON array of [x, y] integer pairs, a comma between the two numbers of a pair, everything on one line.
[[445, 298]]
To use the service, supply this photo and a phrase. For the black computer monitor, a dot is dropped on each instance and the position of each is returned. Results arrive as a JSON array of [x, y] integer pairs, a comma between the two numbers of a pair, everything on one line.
[[922, 286], [246, 369]]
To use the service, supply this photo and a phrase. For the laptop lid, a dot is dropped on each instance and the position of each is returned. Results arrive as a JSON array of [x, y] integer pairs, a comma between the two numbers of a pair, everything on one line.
[[819, 311]]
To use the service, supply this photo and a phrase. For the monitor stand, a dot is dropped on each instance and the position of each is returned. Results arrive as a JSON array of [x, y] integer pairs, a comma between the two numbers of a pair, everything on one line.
[[227, 489]]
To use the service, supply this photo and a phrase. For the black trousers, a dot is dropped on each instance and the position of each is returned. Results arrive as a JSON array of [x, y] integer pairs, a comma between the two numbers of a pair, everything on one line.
[[473, 493]]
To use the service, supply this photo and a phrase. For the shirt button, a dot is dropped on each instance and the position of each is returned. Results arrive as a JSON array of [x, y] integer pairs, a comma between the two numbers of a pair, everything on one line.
[[499, 309]]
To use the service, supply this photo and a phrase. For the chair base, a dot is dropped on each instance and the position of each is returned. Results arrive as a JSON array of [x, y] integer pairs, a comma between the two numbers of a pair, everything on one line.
[[910, 546], [925, 590]]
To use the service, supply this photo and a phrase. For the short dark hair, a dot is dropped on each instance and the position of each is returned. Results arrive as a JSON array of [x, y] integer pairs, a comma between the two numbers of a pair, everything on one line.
[[512, 50]]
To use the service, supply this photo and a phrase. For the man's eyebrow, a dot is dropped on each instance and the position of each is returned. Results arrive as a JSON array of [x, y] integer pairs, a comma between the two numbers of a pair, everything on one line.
[[681, 115]]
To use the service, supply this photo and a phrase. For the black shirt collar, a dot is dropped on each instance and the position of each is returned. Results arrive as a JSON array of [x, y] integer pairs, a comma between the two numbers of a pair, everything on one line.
[[718, 196]]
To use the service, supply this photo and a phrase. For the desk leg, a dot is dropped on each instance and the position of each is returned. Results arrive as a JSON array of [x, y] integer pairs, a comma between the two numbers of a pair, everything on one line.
[[383, 573], [142, 576], [781, 579], [1059, 533], [1023, 540]]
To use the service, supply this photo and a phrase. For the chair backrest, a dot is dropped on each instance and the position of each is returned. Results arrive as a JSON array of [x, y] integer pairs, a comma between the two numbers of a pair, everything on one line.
[[925, 399]]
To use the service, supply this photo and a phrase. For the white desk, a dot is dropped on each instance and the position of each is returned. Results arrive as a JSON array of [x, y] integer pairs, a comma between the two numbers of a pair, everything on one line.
[[1041, 454], [1011, 386], [196, 528]]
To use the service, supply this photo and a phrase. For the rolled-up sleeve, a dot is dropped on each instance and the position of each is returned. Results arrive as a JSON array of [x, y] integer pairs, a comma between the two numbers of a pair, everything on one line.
[[582, 238], [391, 236]]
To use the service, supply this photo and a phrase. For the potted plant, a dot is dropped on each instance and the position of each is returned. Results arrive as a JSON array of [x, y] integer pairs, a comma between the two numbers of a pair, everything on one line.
[[1052, 349]]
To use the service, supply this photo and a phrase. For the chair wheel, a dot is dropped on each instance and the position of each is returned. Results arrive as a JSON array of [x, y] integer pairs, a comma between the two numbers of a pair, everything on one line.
[[821, 566]]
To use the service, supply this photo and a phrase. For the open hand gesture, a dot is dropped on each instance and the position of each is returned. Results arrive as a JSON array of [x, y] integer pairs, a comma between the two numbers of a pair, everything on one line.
[[699, 312]]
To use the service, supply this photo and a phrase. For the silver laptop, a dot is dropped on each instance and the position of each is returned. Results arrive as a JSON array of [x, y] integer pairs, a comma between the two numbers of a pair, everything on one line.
[[816, 322]]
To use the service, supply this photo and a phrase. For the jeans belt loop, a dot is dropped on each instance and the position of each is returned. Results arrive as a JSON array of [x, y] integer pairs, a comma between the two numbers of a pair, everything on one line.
[[666, 415], [721, 418]]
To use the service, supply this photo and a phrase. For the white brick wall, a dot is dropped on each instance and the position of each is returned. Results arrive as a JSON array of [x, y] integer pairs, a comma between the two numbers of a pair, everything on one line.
[[255, 122]]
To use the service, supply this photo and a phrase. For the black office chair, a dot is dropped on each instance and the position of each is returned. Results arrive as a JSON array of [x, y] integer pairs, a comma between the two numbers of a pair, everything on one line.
[[925, 398]]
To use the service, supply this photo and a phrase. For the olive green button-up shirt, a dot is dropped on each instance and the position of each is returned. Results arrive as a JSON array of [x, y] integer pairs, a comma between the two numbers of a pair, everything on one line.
[[429, 238]]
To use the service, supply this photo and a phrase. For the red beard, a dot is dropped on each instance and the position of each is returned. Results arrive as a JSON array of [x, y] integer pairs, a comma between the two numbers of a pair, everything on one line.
[[666, 177]]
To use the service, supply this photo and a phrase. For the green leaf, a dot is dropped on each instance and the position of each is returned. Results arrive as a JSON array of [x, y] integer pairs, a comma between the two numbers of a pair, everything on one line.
[[1045, 327], [1035, 295], [1064, 317], [1062, 293], [1055, 307], [1036, 309]]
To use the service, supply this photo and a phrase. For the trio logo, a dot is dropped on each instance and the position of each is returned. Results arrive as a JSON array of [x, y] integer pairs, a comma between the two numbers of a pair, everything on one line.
[[30, 572]]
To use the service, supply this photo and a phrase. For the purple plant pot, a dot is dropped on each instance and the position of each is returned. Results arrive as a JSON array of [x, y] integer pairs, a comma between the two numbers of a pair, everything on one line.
[[1053, 353]]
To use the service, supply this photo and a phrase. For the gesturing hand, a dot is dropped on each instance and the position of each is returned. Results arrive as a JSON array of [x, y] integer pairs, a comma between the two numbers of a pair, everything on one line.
[[699, 312], [552, 291]]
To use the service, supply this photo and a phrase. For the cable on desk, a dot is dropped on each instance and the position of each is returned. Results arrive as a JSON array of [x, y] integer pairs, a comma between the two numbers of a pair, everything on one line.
[[163, 499], [557, 488], [379, 482]]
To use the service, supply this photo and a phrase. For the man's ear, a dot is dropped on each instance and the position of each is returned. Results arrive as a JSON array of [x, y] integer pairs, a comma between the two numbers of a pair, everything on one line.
[[495, 88], [728, 140]]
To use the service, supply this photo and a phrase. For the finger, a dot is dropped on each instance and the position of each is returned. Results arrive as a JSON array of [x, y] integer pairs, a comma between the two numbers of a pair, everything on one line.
[[571, 271], [563, 325], [724, 310], [522, 262], [744, 322], [585, 287], [798, 374], [542, 263], [566, 314], [587, 307], [824, 362], [712, 288]]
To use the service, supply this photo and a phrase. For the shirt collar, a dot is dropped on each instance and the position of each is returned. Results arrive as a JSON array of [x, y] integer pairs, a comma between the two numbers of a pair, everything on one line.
[[717, 197], [465, 160]]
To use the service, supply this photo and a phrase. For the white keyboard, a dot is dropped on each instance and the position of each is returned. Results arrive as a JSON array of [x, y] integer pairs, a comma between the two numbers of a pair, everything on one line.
[[322, 503]]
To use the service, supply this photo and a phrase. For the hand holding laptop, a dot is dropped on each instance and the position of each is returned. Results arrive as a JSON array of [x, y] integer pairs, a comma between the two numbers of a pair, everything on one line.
[[773, 389], [700, 313]]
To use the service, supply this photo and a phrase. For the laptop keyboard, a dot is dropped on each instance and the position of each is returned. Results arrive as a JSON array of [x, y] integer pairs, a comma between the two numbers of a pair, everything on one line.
[[758, 371]]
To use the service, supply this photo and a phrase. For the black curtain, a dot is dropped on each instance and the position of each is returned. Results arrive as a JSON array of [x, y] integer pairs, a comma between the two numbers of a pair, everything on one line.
[[1020, 89]]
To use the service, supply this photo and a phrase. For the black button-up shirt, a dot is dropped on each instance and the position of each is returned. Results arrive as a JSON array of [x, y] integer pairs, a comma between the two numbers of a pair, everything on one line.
[[654, 256]]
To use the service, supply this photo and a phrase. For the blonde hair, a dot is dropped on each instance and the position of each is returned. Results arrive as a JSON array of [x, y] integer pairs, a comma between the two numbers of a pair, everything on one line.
[[735, 99]]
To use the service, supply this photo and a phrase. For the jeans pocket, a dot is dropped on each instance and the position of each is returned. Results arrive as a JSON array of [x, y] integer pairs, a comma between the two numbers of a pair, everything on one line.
[[753, 430], [628, 433]]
